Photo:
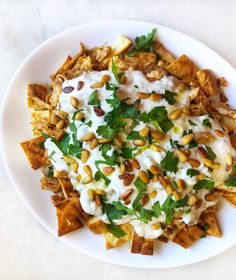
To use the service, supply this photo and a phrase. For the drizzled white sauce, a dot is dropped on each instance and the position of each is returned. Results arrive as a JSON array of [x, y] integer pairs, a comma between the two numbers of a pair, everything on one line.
[[136, 82]]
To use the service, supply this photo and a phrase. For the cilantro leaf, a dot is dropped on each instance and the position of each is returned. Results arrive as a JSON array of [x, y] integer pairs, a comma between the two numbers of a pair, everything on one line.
[[192, 123], [62, 145], [156, 209], [129, 111], [50, 172], [192, 144], [127, 152], [192, 172], [170, 162], [210, 154], [144, 43], [112, 212], [206, 123], [204, 184], [120, 206], [99, 175], [116, 230], [115, 72], [230, 181], [106, 131], [141, 187], [145, 215], [115, 101], [93, 99], [169, 97], [174, 144], [134, 135]]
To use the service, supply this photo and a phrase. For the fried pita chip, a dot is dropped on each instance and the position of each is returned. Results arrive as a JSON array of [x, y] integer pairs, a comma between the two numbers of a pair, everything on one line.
[[37, 96], [187, 236], [222, 187], [113, 241], [231, 198], [183, 68], [100, 57], [163, 53], [156, 75], [51, 184], [96, 225], [208, 82], [147, 247], [68, 216], [210, 220], [121, 45], [136, 243], [35, 152]]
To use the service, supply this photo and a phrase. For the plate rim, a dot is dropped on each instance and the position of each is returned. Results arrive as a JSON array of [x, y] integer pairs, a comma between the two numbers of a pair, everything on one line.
[[4, 155]]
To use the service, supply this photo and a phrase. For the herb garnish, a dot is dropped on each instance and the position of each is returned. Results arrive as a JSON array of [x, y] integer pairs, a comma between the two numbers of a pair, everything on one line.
[[206, 123], [210, 154], [204, 184], [93, 99], [230, 181], [170, 162], [169, 97], [192, 172], [115, 72]]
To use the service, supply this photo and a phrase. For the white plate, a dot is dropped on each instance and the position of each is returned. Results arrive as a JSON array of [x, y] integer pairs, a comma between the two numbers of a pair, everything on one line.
[[16, 128]]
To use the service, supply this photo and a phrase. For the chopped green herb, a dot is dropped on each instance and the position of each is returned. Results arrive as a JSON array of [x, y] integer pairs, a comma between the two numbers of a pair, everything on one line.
[[106, 131], [127, 152], [210, 154], [51, 155], [141, 187], [234, 169], [192, 123], [50, 172], [144, 42], [115, 72], [175, 145], [156, 209], [230, 181], [134, 135], [205, 227], [192, 172], [204, 184], [192, 144], [112, 212], [206, 123], [116, 230], [99, 175], [115, 101], [174, 185], [170, 162], [93, 99], [170, 97]]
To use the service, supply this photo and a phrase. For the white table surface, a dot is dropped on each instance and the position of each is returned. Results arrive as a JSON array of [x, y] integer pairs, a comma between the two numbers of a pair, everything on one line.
[[27, 250]]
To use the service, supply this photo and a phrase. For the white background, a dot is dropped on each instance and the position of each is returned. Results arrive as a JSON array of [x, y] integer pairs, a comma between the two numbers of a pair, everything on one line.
[[28, 251]]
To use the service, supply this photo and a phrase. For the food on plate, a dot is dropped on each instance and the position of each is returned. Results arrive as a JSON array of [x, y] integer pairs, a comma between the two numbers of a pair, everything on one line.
[[136, 143]]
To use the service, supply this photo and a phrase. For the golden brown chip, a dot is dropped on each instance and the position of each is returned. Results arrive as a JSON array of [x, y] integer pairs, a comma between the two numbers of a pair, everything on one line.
[[183, 68], [35, 152], [45, 121], [66, 187], [68, 215], [121, 45], [156, 75], [96, 225], [113, 241], [51, 184], [231, 198], [208, 82], [56, 199], [209, 219], [147, 247], [141, 59], [222, 187], [187, 236], [37, 96], [136, 243], [163, 53], [100, 57]]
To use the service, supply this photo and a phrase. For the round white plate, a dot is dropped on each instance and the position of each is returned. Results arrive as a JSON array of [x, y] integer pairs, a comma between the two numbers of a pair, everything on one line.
[[16, 128]]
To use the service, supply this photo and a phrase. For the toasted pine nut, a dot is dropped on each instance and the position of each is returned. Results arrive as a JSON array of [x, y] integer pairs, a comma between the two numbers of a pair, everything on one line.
[[88, 136], [135, 163], [215, 166], [154, 178], [143, 95], [88, 179], [98, 84], [144, 200], [176, 195], [200, 177], [87, 169], [105, 78], [158, 135], [157, 148], [98, 111], [128, 166], [186, 111], [219, 133], [60, 135], [122, 168], [118, 141], [139, 142], [128, 180], [144, 131], [154, 169], [202, 152], [74, 102], [93, 143], [61, 174], [104, 140], [108, 170], [175, 114], [162, 181], [97, 199], [229, 159], [100, 192], [187, 152], [187, 138], [198, 204], [156, 96], [152, 194], [169, 189], [126, 194], [127, 201], [79, 116], [91, 194], [69, 160], [78, 177], [207, 162], [143, 176], [192, 200], [61, 124], [75, 167], [202, 140], [182, 156], [156, 226], [85, 155], [181, 185], [123, 79], [194, 162]]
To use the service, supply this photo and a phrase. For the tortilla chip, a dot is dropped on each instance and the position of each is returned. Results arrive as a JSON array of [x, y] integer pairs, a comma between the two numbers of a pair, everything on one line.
[[37, 94], [187, 236], [163, 53], [121, 45], [68, 215], [113, 241], [51, 184], [208, 82], [35, 152], [210, 220], [183, 68], [96, 225]]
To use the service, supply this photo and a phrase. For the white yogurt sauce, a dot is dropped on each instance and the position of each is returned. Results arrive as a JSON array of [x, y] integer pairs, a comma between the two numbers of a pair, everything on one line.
[[136, 82]]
